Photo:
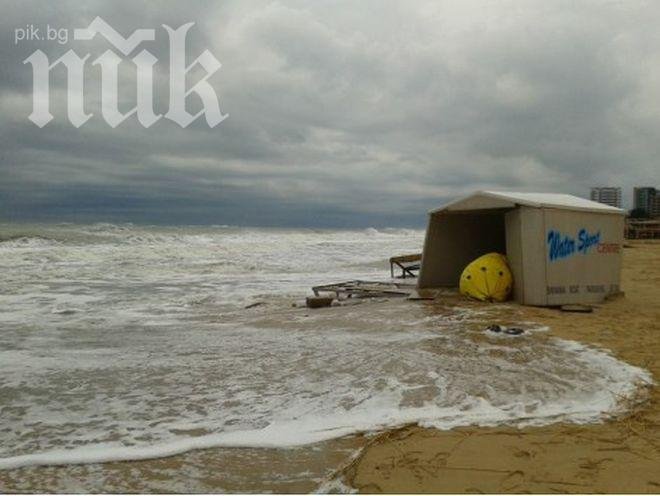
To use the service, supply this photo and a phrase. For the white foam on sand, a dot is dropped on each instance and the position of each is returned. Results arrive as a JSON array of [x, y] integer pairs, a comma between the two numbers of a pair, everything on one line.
[[126, 343], [300, 413]]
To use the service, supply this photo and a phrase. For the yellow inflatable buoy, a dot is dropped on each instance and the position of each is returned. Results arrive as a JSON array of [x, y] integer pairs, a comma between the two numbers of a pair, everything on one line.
[[488, 278]]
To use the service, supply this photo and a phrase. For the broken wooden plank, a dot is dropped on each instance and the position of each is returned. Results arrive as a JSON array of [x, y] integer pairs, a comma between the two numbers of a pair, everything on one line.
[[318, 301]]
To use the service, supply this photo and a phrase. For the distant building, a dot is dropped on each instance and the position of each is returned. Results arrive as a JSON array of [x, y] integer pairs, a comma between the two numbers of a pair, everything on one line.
[[647, 199], [655, 209], [609, 196]]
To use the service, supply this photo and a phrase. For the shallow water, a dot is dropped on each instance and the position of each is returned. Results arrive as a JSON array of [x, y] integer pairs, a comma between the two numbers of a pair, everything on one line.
[[126, 343]]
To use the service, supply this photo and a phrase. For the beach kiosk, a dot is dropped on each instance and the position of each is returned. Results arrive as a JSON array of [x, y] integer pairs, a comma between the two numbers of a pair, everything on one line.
[[561, 249]]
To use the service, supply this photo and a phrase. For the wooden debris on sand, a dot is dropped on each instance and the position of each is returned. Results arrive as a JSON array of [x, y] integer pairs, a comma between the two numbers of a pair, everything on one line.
[[319, 301], [365, 289]]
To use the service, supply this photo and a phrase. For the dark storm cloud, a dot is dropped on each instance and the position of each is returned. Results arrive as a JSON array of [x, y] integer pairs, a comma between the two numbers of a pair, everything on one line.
[[342, 113]]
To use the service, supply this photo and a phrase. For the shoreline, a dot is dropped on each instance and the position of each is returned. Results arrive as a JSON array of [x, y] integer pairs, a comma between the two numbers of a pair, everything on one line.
[[622, 454]]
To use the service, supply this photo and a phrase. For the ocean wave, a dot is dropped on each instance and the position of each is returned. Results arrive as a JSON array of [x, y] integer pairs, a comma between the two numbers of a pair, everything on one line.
[[27, 240]]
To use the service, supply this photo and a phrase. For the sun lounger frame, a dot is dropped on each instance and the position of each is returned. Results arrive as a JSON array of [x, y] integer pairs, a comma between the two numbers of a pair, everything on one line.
[[409, 264], [365, 289]]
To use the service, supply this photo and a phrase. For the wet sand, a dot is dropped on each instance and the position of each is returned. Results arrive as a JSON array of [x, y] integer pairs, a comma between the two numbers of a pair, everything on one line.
[[621, 455]]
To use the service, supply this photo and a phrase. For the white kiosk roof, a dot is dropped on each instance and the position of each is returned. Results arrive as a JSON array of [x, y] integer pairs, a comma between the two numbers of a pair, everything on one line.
[[508, 199]]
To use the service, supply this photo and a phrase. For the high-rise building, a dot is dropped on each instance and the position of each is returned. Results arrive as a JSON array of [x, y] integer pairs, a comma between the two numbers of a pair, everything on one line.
[[644, 198], [607, 195], [655, 208]]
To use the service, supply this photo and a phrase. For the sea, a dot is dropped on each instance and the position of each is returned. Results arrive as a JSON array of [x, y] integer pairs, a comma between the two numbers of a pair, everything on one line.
[[121, 342]]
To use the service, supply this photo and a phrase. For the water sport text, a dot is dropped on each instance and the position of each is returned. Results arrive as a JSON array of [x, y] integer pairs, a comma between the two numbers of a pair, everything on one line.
[[562, 245]]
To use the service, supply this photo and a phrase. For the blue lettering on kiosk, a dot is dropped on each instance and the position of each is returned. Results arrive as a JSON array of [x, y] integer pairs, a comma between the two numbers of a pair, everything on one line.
[[563, 246]]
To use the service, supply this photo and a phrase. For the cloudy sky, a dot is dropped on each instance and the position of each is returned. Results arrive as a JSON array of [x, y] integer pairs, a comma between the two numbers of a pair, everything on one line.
[[341, 113]]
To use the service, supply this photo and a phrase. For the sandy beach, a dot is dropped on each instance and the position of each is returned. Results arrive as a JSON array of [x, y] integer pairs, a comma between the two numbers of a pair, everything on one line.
[[621, 455]]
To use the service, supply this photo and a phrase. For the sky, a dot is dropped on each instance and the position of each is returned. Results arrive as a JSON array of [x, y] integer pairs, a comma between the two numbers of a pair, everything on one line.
[[341, 113]]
